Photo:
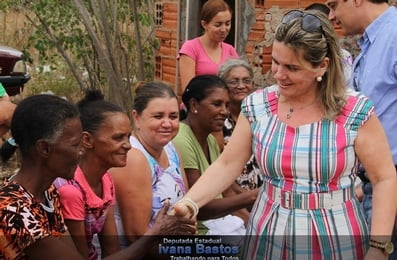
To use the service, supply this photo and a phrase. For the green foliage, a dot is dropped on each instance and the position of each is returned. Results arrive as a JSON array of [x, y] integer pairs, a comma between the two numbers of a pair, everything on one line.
[[58, 81], [60, 37]]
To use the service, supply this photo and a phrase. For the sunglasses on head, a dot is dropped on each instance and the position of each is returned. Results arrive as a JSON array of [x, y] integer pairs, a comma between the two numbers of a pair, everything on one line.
[[309, 23]]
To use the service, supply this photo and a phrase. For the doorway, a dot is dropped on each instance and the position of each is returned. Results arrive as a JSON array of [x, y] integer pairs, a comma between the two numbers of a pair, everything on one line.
[[193, 26]]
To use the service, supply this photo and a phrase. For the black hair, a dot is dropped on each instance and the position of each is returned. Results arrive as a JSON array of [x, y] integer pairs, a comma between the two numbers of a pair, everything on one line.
[[93, 108], [379, 1], [319, 7], [40, 117], [199, 88], [146, 92]]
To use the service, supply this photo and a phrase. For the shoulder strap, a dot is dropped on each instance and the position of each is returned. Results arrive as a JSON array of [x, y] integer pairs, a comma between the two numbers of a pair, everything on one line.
[[59, 182]]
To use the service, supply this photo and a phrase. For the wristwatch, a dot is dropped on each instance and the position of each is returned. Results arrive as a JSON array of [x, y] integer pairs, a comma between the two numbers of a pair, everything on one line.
[[386, 247]]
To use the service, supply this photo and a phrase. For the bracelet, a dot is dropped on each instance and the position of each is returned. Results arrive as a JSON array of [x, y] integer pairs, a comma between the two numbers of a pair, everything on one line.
[[191, 205]]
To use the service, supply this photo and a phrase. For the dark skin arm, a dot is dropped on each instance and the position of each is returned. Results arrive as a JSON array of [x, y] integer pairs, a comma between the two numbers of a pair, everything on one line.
[[108, 236], [50, 247], [217, 208], [77, 232], [234, 190], [163, 225]]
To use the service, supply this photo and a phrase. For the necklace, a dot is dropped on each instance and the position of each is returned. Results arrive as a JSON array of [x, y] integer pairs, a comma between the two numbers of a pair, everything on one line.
[[291, 108], [290, 111]]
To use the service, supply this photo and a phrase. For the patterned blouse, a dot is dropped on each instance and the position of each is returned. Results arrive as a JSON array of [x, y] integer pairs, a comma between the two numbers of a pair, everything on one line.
[[251, 177], [24, 220]]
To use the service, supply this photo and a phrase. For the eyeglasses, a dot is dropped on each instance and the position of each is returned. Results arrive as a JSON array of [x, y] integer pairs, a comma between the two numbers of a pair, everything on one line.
[[309, 23], [234, 83]]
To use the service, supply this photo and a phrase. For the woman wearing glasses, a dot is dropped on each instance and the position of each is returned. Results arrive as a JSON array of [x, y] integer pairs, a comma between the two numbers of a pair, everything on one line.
[[238, 76], [308, 133]]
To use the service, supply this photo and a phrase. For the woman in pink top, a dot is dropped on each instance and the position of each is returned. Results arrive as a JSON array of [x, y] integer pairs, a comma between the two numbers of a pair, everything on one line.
[[87, 200], [204, 54]]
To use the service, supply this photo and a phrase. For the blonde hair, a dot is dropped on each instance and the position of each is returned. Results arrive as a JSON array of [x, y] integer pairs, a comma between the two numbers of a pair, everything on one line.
[[315, 46]]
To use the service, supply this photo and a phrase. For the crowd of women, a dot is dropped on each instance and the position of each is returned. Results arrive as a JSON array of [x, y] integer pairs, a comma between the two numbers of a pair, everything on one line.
[[282, 162]]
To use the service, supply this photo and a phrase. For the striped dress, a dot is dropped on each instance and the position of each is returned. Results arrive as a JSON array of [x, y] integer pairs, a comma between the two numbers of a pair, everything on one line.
[[306, 208]]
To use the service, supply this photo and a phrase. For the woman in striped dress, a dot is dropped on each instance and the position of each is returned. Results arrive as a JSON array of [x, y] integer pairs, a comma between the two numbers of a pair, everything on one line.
[[308, 134]]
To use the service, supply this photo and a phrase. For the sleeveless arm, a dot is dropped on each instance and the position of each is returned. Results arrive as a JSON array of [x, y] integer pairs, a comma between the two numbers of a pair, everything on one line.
[[133, 185]]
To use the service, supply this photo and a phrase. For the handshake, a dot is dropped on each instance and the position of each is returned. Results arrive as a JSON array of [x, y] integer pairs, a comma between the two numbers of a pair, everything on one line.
[[180, 220]]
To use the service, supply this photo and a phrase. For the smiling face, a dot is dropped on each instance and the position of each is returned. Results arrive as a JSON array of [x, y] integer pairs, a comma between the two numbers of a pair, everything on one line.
[[219, 27], [63, 154], [110, 143], [345, 14], [240, 84], [295, 76], [212, 110], [158, 123]]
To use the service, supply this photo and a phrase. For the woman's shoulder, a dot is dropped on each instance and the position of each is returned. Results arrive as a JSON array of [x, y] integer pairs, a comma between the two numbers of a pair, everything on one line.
[[195, 40], [12, 193], [229, 48], [183, 132], [189, 45], [261, 101], [171, 151], [69, 190], [356, 111], [357, 101]]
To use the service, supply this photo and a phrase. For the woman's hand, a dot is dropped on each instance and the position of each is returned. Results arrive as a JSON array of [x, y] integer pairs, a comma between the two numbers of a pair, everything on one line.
[[177, 224], [181, 210], [375, 253]]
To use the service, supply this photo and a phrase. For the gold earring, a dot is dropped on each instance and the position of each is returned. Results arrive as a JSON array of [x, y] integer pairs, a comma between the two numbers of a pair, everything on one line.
[[319, 78]]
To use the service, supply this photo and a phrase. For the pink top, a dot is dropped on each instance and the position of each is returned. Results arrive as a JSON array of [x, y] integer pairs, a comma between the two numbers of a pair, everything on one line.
[[72, 198], [79, 202], [204, 64]]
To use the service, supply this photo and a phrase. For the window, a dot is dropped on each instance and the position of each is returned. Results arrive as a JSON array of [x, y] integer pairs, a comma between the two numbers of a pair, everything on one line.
[[158, 16]]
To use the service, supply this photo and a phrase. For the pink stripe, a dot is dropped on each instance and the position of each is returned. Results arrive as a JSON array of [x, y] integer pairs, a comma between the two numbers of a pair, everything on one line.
[[316, 249], [313, 202], [266, 211], [341, 143], [286, 157], [355, 228], [317, 154]]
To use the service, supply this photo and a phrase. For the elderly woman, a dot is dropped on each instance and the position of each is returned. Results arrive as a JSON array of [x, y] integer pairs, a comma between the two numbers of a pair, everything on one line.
[[308, 133], [238, 76]]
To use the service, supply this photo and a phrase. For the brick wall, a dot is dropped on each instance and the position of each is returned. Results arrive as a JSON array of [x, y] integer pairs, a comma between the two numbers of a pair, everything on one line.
[[267, 13]]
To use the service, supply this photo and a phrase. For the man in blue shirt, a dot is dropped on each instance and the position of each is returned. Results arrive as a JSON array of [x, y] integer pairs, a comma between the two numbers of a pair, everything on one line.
[[375, 68]]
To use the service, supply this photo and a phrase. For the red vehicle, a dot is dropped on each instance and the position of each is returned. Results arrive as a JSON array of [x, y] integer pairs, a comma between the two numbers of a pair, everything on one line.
[[13, 71]]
